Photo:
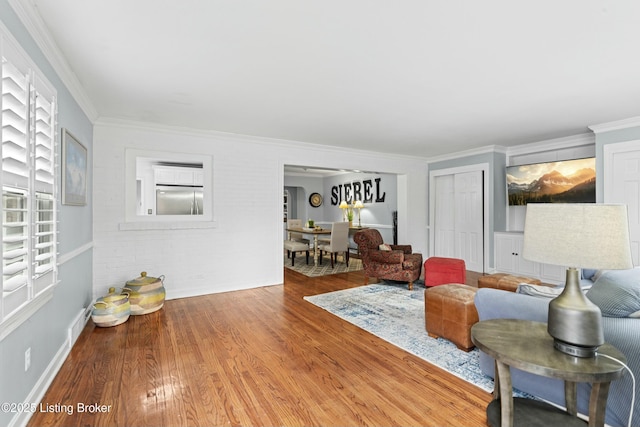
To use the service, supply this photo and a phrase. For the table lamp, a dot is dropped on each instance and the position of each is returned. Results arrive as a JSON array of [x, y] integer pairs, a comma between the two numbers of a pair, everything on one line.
[[343, 206], [577, 236], [358, 205]]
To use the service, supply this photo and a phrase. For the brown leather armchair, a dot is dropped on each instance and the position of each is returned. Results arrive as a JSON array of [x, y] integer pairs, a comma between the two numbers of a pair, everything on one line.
[[397, 264]]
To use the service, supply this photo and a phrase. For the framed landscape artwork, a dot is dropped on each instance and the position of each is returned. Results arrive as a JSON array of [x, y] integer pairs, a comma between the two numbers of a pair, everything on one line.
[[74, 171], [568, 181]]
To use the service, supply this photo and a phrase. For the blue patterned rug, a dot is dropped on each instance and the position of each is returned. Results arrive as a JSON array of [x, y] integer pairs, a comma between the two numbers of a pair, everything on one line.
[[396, 314]]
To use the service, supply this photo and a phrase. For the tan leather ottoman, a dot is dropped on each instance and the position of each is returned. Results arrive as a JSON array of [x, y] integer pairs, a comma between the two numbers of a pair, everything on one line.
[[450, 312], [505, 281]]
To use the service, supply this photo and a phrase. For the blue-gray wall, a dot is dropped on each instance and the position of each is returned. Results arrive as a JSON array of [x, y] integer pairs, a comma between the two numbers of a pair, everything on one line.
[[300, 187], [46, 332], [378, 215]]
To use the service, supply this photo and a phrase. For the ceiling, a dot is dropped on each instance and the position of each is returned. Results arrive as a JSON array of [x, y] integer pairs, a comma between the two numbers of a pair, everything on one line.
[[415, 77]]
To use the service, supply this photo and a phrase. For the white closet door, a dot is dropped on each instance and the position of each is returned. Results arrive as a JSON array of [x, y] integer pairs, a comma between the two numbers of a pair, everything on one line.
[[459, 218], [469, 219], [622, 185], [445, 217]]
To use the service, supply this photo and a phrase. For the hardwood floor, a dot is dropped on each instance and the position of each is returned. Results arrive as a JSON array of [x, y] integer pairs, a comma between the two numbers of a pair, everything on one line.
[[258, 357]]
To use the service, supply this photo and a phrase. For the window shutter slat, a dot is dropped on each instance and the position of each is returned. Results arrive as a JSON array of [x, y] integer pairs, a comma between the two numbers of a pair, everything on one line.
[[14, 283]]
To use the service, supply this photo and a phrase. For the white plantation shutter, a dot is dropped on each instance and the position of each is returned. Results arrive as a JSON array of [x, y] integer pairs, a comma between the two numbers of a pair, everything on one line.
[[29, 191], [14, 240], [44, 130], [44, 242], [15, 183], [44, 176], [15, 121]]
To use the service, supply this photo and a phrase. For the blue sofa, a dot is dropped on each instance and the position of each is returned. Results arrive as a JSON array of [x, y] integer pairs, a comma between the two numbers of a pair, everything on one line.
[[617, 293]]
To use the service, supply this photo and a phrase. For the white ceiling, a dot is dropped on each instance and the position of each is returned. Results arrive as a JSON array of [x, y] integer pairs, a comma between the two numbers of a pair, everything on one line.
[[415, 77]]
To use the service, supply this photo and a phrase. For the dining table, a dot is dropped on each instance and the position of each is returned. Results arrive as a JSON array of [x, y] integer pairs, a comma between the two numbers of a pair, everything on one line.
[[315, 232]]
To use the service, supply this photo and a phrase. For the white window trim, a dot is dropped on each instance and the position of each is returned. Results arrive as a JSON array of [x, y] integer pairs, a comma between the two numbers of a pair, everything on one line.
[[25, 312]]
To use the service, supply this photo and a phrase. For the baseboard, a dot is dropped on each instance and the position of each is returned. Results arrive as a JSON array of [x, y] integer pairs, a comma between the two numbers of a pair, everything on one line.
[[37, 393], [42, 385], [78, 325]]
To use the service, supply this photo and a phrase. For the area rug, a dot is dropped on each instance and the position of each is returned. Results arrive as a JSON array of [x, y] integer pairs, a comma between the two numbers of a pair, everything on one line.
[[325, 269], [396, 314]]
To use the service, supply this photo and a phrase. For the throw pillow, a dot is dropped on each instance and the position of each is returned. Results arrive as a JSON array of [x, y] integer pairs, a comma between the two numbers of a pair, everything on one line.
[[589, 273], [539, 291], [384, 247], [617, 293], [597, 275]]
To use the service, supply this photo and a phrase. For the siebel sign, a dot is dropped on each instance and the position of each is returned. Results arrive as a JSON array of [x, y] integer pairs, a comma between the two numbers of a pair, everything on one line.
[[366, 190]]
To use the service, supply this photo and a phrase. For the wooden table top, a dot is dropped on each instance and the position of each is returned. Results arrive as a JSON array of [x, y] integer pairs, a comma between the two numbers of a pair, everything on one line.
[[528, 346], [309, 231]]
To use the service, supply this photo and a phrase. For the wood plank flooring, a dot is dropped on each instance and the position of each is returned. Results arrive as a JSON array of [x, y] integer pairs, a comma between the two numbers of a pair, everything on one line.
[[258, 357]]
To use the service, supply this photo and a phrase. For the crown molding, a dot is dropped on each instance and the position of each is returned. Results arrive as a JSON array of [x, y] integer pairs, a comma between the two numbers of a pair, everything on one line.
[[616, 125], [30, 18], [553, 144], [468, 153], [534, 147], [108, 122]]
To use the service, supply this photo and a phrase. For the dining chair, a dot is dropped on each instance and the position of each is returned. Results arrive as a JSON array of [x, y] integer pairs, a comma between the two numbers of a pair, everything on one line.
[[296, 237], [292, 247], [339, 242]]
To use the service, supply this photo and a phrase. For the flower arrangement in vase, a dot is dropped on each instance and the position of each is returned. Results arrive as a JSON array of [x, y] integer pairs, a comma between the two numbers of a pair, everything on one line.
[[350, 216]]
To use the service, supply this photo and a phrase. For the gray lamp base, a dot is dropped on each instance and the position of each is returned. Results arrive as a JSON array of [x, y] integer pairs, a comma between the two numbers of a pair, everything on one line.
[[575, 350], [574, 322]]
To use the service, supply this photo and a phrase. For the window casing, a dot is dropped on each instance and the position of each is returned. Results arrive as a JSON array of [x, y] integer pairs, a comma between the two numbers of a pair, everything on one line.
[[28, 180]]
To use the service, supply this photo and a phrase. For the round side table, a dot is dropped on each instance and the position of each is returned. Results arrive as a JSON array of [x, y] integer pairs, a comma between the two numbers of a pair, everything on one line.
[[527, 346]]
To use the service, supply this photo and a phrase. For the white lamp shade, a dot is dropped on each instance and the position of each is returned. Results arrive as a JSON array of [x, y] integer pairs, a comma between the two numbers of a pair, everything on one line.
[[343, 205], [578, 235], [358, 204]]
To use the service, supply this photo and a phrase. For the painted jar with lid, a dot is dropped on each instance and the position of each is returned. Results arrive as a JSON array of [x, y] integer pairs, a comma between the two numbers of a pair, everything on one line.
[[146, 294], [111, 310]]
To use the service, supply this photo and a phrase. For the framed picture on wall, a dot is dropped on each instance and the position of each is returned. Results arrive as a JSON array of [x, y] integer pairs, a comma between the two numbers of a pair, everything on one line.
[[566, 181], [74, 170]]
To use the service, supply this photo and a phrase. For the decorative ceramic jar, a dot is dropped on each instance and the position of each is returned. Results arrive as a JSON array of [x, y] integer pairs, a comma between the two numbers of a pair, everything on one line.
[[146, 294], [111, 310]]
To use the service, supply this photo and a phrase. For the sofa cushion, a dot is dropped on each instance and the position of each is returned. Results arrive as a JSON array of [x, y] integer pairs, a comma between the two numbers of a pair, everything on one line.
[[617, 293]]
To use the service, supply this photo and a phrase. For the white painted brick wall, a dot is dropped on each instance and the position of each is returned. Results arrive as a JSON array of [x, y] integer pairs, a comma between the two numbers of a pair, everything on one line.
[[245, 248]]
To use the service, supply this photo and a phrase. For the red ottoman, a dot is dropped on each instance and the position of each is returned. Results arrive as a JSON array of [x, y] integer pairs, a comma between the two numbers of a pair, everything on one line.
[[440, 271]]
